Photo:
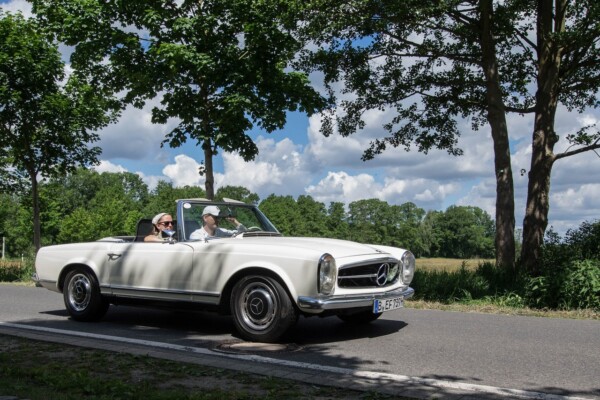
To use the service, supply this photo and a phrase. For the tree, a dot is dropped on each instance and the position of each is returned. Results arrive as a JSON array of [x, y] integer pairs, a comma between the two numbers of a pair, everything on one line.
[[371, 221], [430, 235], [162, 198], [585, 240], [218, 66], [337, 221], [436, 62], [465, 232], [409, 223], [567, 61], [283, 211], [237, 193], [46, 124]]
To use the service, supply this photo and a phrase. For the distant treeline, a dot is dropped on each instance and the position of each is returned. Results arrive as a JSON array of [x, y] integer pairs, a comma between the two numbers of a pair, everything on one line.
[[88, 205]]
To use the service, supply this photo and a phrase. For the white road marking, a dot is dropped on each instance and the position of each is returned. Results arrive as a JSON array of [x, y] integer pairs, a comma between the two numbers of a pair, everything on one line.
[[379, 376]]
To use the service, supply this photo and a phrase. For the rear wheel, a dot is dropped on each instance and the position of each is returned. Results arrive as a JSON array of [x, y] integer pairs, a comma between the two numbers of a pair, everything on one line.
[[361, 317], [262, 309], [81, 293]]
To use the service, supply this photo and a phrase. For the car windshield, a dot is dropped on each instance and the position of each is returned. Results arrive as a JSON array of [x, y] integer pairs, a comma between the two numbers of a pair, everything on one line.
[[249, 216]]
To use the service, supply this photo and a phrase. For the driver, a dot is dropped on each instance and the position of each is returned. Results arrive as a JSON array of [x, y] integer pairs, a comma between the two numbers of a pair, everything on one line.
[[210, 228]]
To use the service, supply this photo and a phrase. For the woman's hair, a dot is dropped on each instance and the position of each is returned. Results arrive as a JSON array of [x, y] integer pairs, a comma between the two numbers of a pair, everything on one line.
[[155, 221]]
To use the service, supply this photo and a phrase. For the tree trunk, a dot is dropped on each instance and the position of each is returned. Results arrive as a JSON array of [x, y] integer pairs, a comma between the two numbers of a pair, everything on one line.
[[37, 231], [538, 205], [496, 115], [550, 19], [209, 184]]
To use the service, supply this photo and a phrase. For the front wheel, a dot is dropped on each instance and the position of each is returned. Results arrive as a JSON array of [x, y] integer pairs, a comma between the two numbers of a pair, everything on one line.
[[81, 293], [262, 310]]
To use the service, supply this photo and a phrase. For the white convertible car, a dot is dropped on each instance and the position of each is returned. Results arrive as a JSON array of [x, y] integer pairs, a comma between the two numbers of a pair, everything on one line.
[[263, 279]]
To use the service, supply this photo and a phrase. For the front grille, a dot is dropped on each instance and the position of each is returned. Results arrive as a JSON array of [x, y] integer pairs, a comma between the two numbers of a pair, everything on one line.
[[372, 275]]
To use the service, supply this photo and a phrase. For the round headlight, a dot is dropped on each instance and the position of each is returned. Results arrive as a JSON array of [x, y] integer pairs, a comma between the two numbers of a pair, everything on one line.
[[408, 267], [327, 274]]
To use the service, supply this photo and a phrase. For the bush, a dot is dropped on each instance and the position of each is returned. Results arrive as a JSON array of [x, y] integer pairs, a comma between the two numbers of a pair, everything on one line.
[[566, 285], [581, 287], [447, 287], [539, 292], [573, 285], [10, 271], [13, 270], [570, 271]]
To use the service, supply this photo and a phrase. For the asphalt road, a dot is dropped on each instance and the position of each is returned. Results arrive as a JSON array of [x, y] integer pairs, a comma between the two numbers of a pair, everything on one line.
[[542, 355]]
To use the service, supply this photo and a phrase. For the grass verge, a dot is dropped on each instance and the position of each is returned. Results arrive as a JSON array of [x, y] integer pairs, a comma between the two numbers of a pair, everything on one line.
[[41, 370], [487, 306]]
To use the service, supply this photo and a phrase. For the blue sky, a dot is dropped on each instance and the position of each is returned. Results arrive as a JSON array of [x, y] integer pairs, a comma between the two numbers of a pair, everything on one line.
[[299, 160]]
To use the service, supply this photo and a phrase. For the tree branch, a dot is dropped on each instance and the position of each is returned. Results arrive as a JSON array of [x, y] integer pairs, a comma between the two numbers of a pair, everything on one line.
[[593, 147]]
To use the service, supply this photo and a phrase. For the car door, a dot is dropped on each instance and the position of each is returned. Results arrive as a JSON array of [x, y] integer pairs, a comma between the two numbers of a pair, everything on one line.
[[160, 271]]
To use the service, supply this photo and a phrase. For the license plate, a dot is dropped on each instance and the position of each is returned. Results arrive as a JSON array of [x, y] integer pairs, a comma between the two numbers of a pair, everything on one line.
[[388, 304]]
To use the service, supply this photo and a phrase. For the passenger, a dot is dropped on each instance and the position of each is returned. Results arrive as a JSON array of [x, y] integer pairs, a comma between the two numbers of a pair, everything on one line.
[[210, 228], [160, 222]]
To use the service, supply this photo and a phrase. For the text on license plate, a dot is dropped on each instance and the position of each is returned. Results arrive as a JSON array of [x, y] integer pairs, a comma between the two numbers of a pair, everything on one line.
[[388, 304]]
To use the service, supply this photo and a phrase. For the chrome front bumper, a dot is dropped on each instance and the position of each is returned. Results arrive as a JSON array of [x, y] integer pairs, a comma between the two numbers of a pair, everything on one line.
[[340, 302]]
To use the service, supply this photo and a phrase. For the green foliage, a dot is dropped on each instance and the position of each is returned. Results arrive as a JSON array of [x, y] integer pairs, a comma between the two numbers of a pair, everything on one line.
[[10, 270], [584, 242], [87, 205], [431, 64], [283, 212], [17, 270], [569, 272], [237, 193], [572, 285], [47, 123], [449, 286], [219, 67], [581, 287], [464, 231]]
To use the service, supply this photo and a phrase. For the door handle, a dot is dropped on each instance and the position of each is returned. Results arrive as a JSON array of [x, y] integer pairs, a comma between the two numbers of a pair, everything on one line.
[[113, 256]]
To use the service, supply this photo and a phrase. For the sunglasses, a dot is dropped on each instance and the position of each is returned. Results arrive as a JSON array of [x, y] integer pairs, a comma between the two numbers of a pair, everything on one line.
[[166, 223]]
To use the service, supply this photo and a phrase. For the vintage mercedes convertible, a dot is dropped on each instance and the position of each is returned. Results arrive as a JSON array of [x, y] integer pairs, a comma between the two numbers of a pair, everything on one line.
[[263, 279]]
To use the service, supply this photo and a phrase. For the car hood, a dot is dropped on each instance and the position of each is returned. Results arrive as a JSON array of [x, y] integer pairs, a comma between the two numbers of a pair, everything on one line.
[[335, 247]]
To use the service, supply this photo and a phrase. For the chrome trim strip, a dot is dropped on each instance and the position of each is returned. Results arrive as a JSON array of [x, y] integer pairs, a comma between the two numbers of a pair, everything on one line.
[[45, 281], [106, 289], [357, 276], [370, 262], [340, 302]]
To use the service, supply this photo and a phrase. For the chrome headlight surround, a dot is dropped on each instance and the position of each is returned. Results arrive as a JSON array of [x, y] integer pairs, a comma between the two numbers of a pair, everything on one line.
[[327, 274], [408, 267]]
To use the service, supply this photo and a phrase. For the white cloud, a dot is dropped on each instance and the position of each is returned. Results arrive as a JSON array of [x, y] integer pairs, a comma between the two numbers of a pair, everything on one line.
[[340, 186], [107, 166], [579, 203], [134, 137], [185, 172], [15, 6], [483, 195], [279, 167]]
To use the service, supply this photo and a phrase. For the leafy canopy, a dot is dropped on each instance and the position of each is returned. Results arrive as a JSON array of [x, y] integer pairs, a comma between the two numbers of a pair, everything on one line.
[[218, 66]]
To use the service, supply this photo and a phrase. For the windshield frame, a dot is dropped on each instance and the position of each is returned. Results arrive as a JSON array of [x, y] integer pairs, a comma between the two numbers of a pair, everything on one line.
[[186, 225]]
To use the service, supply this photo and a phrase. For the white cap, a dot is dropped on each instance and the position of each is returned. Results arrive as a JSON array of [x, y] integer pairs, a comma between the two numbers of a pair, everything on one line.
[[157, 218], [212, 210]]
